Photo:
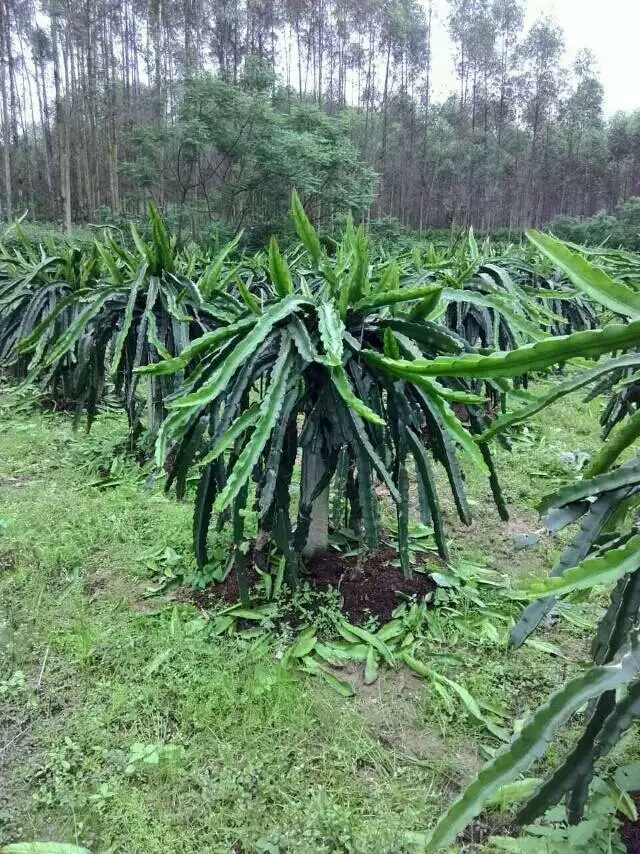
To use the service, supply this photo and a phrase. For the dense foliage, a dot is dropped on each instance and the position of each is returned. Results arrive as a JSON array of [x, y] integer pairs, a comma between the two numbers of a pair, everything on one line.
[[276, 380], [287, 374], [620, 228], [72, 321], [217, 112], [606, 550]]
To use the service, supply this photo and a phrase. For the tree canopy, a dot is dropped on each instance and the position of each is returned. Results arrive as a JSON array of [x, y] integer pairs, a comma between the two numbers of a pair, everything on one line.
[[215, 111]]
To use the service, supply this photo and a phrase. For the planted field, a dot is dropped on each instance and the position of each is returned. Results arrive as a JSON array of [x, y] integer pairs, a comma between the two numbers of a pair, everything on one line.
[[292, 590]]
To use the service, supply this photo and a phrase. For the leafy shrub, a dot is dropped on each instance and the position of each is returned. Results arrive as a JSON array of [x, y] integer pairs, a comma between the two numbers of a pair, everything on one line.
[[619, 229], [606, 550], [301, 368], [137, 309]]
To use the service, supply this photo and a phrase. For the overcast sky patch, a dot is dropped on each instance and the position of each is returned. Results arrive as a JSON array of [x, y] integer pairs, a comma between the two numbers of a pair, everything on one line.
[[611, 30]]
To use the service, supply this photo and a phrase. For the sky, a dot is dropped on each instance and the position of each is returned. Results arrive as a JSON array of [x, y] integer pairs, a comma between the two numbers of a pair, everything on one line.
[[611, 29]]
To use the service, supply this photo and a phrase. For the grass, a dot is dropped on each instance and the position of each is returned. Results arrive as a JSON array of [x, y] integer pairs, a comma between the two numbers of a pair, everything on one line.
[[125, 727]]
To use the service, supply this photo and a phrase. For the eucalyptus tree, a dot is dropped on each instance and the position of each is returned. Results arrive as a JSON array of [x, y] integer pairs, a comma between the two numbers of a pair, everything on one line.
[[540, 54], [90, 87], [508, 18]]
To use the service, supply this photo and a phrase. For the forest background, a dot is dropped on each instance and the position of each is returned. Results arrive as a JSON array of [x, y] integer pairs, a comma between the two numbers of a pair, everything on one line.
[[215, 109]]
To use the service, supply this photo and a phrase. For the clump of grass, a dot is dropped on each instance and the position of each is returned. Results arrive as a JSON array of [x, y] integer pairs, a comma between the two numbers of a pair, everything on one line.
[[125, 727]]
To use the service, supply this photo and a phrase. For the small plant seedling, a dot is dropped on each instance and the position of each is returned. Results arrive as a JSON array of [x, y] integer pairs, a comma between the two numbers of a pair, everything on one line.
[[149, 754]]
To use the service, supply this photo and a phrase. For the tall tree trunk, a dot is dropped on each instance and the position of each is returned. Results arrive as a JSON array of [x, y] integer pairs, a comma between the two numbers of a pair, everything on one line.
[[61, 124], [6, 133], [43, 106], [6, 121]]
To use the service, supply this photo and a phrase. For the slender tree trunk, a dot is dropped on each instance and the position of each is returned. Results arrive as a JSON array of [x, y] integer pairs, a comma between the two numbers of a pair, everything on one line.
[[43, 106], [6, 133], [61, 124], [385, 117], [6, 121]]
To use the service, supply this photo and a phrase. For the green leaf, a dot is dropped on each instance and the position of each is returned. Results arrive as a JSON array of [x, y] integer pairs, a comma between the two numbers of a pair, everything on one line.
[[623, 437], [371, 667], [343, 387], [591, 280], [205, 494], [109, 259], [331, 333], [525, 359], [373, 641], [341, 686], [211, 277], [558, 391], [403, 521], [544, 646], [619, 617], [418, 667], [43, 848], [628, 777], [69, 338], [605, 569], [360, 438], [208, 341], [425, 307], [358, 282], [622, 717], [127, 319], [248, 418], [378, 300], [247, 297], [161, 240], [304, 643], [513, 793], [305, 230], [279, 270], [425, 472], [627, 475], [594, 521], [531, 743], [269, 412], [607, 722], [302, 339], [431, 336], [454, 475], [456, 430], [141, 246], [469, 702], [390, 345], [335, 654], [187, 449], [240, 353], [474, 252], [390, 630], [273, 472], [241, 613], [500, 304], [454, 395], [152, 336]]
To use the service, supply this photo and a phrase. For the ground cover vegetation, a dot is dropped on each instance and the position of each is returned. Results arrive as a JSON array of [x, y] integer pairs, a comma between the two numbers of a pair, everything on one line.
[[330, 417]]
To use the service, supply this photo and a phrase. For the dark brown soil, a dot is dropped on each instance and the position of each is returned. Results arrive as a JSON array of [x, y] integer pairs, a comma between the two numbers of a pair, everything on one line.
[[485, 826], [372, 591], [226, 591], [630, 830]]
